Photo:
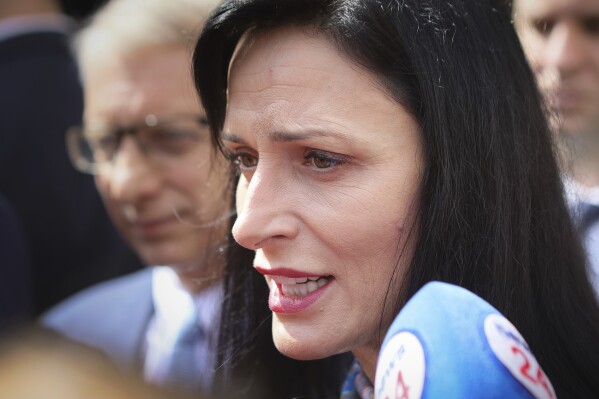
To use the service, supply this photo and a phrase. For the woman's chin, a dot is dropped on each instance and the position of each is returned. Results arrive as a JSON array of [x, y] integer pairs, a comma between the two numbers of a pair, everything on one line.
[[299, 352], [300, 347]]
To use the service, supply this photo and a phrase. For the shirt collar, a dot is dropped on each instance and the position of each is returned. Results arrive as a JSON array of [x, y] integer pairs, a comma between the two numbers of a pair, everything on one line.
[[577, 193], [356, 384], [174, 305]]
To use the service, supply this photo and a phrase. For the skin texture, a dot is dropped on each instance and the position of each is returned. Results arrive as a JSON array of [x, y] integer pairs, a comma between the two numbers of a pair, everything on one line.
[[330, 169], [168, 214]]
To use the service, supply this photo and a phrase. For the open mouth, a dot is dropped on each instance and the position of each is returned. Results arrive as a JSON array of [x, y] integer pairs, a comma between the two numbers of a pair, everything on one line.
[[295, 294], [300, 287], [292, 291]]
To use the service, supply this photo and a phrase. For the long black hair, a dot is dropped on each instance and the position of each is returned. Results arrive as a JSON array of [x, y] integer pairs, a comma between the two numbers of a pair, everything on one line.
[[492, 217]]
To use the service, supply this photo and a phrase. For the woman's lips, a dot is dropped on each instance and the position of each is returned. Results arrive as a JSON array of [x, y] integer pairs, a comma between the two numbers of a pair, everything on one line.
[[292, 291], [284, 272]]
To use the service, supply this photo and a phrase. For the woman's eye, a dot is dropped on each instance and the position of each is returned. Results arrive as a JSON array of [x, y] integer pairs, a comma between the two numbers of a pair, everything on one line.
[[320, 160], [244, 160], [322, 163]]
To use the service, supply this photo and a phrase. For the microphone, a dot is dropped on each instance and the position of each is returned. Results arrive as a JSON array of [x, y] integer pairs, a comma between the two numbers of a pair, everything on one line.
[[449, 343]]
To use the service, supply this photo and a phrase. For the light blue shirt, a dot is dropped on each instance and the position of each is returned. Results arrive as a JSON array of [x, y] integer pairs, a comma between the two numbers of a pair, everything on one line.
[[174, 306], [577, 195]]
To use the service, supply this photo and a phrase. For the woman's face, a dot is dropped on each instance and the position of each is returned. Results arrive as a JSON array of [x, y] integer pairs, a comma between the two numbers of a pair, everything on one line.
[[330, 170]]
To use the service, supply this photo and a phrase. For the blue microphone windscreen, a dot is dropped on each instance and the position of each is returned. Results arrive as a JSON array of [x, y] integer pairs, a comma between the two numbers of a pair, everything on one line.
[[449, 343]]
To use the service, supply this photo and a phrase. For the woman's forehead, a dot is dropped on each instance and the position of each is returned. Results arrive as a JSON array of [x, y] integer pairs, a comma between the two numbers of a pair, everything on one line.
[[291, 60], [274, 54]]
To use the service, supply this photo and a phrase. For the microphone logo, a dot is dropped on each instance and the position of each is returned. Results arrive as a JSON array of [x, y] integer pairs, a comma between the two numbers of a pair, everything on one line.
[[401, 368], [513, 352]]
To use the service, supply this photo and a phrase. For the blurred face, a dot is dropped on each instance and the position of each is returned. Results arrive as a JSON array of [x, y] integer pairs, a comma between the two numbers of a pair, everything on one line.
[[330, 168], [167, 213], [561, 40]]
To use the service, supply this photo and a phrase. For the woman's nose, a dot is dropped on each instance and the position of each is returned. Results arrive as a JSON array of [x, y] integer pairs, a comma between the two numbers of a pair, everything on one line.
[[131, 178], [265, 214]]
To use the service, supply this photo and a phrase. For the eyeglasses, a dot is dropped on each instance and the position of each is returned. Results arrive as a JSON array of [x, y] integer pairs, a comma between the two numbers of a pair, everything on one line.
[[164, 140]]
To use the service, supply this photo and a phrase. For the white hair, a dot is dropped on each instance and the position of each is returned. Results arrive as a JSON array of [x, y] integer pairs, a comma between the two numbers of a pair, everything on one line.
[[123, 27]]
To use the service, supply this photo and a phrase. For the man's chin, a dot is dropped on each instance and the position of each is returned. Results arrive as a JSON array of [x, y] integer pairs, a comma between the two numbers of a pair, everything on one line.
[[156, 256]]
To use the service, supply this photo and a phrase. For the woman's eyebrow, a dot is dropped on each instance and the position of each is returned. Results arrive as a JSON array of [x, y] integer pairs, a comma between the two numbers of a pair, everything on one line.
[[233, 138], [281, 136], [297, 136]]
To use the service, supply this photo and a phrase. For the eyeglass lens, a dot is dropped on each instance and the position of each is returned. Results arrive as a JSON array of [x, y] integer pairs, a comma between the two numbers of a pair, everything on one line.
[[164, 140]]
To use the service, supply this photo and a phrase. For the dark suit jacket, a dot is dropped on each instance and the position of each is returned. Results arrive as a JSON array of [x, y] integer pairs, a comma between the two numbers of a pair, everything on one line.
[[112, 317], [72, 241], [15, 297]]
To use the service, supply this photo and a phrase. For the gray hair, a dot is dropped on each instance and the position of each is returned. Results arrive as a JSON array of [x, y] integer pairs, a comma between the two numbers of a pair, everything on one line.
[[122, 27]]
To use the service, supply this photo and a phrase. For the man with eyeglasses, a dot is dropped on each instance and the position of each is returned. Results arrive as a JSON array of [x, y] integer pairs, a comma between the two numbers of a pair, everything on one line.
[[146, 140], [67, 231], [561, 41]]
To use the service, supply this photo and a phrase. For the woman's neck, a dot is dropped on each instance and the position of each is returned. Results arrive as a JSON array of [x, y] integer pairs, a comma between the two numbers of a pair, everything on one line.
[[367, 356]]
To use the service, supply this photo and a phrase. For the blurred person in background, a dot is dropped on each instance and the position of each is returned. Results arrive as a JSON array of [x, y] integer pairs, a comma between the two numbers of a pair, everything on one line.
[[71, 240], [561, 41], [38, 364], [146, 141]]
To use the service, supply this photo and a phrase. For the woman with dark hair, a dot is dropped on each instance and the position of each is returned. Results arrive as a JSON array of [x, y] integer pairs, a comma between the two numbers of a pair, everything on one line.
[[381, 145]]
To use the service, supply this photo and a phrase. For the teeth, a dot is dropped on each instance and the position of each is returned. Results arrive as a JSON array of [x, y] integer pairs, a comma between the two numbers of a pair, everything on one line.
[[284, 280], [290, 280], [304, 288]]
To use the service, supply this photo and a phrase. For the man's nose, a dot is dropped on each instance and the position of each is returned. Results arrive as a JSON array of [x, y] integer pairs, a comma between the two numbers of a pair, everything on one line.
[[565, 50], [265, 214], [131, 177]]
